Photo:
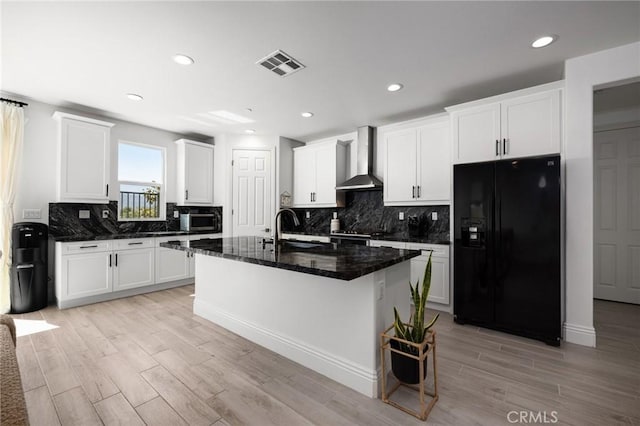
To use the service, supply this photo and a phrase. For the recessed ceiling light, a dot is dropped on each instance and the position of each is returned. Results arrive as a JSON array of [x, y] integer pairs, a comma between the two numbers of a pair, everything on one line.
[[307, 114], [543, 41], [250, 131], [134, 97], [394, 87], [182, 59]]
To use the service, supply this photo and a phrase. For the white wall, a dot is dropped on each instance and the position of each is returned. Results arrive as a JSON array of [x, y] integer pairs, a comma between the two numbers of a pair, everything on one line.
[[285, 167], [36, 183], [582, 75]]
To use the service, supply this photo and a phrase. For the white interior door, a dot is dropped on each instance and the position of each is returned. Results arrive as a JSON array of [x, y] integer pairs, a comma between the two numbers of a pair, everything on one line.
[[251, 192], [617, 215]]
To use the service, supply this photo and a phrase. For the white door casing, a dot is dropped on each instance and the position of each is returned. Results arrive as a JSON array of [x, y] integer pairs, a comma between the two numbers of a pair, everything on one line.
[[617, 215], [251, 192]]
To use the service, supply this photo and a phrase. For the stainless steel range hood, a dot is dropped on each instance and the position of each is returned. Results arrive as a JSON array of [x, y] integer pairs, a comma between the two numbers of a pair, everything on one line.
[[364, 179]]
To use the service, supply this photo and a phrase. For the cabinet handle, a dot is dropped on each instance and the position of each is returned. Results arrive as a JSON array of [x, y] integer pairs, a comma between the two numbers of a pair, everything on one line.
[[311, 197], [84, 247], [314, 197], [497, 147], [116, 260], [135, 244], [413, 192], [186, 194], [109, 261], [418, 192], [504, 146], [107, 193]]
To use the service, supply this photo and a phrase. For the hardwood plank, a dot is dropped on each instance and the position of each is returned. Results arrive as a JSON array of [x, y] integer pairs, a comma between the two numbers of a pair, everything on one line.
[[180, 398], [75, 409], [30, 371], [253, 406], [158, 413], [127, 379], [95, 383], [116, 410], [40, 407], [173, 363], [59, 376], [133, 353]]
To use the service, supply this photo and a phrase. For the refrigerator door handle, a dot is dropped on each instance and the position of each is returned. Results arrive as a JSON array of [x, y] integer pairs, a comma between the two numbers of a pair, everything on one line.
[[29, 266]]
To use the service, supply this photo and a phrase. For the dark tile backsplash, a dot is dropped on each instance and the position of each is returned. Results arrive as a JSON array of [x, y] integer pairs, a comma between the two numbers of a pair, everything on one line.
[[365, 212], [64, 220]]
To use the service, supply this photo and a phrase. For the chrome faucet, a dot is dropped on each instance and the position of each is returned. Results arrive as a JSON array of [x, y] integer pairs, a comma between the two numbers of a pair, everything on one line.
[[296, 222]]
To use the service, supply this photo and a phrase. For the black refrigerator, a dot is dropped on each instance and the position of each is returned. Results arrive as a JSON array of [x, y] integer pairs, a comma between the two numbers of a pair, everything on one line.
[[507, 246]]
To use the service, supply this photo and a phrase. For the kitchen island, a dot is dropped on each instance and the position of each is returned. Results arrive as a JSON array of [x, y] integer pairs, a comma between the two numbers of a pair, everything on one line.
[[321, 305]]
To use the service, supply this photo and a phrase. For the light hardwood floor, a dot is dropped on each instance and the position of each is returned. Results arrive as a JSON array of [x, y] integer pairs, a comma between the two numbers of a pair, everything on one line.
[[148, 360]]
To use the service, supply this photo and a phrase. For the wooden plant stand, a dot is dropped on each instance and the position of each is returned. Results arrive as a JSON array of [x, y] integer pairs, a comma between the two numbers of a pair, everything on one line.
[[430, 340]]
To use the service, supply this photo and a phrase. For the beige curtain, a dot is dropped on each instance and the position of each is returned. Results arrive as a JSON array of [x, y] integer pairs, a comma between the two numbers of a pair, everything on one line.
[[11, 132]]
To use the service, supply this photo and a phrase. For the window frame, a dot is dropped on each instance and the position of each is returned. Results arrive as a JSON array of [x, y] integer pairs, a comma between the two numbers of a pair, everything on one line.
[[162, 191]]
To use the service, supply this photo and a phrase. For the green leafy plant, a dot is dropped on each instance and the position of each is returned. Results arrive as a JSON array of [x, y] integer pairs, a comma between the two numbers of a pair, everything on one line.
[[415, 330]]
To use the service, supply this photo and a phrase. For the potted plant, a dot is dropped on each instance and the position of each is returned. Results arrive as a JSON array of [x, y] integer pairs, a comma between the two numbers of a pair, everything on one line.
[[407, 369]]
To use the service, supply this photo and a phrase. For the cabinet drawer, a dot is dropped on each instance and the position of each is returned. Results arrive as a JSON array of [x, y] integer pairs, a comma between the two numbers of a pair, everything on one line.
[[129, 244], [383, 243], [85, 247], [173, 238], [197, 237], [437, 249]]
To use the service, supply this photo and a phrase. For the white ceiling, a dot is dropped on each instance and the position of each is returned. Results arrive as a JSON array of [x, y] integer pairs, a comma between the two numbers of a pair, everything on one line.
[[91, 54]]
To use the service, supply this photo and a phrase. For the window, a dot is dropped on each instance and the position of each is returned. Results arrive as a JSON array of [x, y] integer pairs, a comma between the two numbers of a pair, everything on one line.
[[141, 182]]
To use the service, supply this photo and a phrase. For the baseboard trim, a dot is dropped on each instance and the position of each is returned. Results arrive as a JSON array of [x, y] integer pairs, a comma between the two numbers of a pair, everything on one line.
[[579, 334], [339, 369]]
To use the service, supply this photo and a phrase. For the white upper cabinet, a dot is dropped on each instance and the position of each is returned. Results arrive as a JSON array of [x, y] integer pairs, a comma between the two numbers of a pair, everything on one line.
[[519, 124], [84, 149], [194, 173], [317, 169], [418, 163]]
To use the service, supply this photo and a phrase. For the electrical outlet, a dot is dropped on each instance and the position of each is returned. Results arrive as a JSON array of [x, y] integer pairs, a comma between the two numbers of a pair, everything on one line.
[[401, 216], [84, 214], [176, 214], [434, 215], [105, 214], [307, 215], [31, 214]]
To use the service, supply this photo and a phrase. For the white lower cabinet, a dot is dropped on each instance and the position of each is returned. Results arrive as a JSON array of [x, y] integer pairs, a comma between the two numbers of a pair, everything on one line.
[[439, 292], [171, 265], [133, 268], [96, 268], [84, 275]]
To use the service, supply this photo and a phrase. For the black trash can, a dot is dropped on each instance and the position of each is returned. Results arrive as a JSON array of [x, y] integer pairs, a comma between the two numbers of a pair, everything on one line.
[[29, 267]]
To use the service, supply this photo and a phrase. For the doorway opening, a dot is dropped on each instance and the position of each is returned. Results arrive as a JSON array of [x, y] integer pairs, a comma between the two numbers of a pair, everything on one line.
[[616, 173]]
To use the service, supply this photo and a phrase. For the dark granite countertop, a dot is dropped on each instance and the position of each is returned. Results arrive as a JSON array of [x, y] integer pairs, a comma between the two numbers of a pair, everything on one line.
[[402, 237], [344, 262], [98, 237]]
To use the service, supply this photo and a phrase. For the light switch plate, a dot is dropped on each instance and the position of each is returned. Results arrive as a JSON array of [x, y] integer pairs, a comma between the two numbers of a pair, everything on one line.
[[434, 215], [31, 214], [105, 214], [401, 216], [176, 214], [307, 215], [84, 214]]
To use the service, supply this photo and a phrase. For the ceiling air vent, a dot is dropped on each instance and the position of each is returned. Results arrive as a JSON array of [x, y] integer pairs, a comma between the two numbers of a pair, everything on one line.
[[280, 63]]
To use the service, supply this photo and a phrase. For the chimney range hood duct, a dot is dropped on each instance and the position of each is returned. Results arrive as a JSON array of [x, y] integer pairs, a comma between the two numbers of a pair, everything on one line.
[[364, 179]]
